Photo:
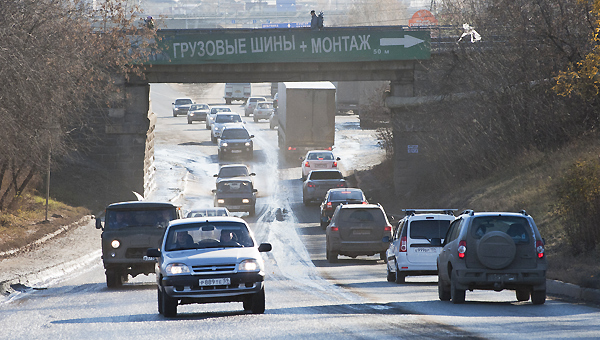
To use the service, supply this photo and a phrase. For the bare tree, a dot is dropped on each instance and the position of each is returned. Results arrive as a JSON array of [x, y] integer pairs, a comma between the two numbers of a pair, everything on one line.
[[58, 60]]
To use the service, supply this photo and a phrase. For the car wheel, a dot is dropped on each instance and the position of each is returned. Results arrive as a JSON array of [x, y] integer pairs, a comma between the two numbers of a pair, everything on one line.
[[207, 126], [538, 297], [258, 302], [443, 291], [219, 154], [522, 294], [113, 278], [383, 256], [160, 310], [174, 114], [305, 200], [228, 101], [252, 211], [169, 305], [246, 114], [255, 120], [213, 139], [457, 295], [332, 256], [400, 277], [391, 276], [323, 224], [189, 121]]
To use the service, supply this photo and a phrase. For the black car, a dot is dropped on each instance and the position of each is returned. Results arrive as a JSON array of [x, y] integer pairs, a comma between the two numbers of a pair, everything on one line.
[[335, 197], [236, 140], [236, 194]]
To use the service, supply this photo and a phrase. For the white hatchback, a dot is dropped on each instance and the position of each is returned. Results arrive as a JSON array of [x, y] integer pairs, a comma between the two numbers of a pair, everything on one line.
[[416, 243], [318, 160]]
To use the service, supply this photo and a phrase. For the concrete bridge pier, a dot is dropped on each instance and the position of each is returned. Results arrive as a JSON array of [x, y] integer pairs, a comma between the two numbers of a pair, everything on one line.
[[127, 149], [409, 153]]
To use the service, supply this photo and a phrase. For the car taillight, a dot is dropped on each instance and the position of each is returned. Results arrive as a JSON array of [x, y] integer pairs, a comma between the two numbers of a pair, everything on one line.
[[291, 148], [539, 248], [334, 164], [403, 244], [310, 185], [462, 249], [329, 206], [388, 228], [334, 229], [341, 185], [306, 164]]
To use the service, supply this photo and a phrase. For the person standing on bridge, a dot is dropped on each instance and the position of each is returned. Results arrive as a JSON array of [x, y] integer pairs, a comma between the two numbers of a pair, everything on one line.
[[314, 21]]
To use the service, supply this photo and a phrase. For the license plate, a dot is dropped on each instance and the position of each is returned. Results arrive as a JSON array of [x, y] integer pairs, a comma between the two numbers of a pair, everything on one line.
[[215, 282], [320, 165], [502, 277], [234, 207], [424, 250], [236, 151], [361, 232]]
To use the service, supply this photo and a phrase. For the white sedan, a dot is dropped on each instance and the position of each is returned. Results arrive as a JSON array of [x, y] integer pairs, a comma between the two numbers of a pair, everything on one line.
[[221, 121], [318, 160]]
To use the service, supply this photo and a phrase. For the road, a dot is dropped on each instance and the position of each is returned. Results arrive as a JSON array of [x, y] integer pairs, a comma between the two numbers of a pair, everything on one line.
[[306, 297]]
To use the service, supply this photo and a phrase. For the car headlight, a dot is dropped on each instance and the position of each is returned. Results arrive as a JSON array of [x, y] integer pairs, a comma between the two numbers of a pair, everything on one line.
[[224, 144], [250, 265], [245, 201], [248, 144], [115, 244], [177, 268], [220, 200], [217, 128]]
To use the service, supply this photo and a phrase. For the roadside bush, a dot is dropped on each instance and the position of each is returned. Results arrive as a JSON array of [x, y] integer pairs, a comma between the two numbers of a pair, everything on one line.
[[578, 205]]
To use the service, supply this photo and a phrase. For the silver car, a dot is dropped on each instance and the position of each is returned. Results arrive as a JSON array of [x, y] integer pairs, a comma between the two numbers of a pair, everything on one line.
[[210, 118], [197, 112], [319, 182], [181, 106], [263, 110], [209, 260], [223, 120]]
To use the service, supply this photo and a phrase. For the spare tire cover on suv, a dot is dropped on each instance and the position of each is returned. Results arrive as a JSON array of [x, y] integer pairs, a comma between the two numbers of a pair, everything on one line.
[[496, 250]]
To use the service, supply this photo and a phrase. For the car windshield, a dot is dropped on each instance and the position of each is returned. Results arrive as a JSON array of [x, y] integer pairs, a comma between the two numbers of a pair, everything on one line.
[[220, 109], [183, 101], [345, 195], [118, 219], [322, 156], [326, 175], [208, 212], [265, 105], [224, 118], [233, 171], [516, 227], [235, 134], [428, 229], [199, 107], [361, 215], [208, 235], [234, 187]]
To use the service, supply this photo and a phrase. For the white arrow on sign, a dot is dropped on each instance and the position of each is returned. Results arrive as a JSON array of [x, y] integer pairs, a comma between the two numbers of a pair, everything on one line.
[[407, 41]]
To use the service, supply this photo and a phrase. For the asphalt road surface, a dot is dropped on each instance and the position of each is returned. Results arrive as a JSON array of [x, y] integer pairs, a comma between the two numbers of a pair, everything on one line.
[[306, 297]]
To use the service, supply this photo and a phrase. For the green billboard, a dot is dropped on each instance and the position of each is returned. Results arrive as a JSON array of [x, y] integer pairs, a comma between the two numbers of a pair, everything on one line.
[[343, 44]]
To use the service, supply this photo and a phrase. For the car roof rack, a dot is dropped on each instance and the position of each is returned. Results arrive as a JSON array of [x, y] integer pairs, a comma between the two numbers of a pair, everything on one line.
[[410, 212], [523, 212], [469, 212]]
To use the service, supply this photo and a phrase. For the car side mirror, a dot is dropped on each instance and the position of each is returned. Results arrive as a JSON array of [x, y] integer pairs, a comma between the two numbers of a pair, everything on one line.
[[254, 190], [386, 239], [436, 241], [264, 247], [337, 159], [252, 174], [216, 175], [98, 223], [152, 252], [214, 191], [301, 158], [251, 136]]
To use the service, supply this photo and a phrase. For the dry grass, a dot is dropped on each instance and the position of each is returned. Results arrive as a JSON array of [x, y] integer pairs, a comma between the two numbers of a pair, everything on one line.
[[529, 183], [26, 221]]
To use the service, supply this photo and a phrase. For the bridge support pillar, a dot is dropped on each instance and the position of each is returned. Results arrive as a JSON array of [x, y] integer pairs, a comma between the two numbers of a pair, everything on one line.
[[409, 153], [127, 149]]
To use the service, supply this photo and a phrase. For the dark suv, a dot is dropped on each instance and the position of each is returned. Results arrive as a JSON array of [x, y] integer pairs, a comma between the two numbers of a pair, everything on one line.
[[236, 194], [357, 229], [492, 251], [236, 140], [129, 229]]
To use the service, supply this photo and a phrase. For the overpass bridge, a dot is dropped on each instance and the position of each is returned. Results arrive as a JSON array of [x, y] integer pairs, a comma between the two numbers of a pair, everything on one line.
[[265, 55]]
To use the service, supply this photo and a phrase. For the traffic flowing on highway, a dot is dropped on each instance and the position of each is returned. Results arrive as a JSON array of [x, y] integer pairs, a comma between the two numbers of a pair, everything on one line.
[[306, 296]]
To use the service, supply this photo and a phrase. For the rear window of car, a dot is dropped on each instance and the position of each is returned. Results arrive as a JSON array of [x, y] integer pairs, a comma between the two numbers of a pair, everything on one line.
[[428, 229], [516, 227], [265, 105], [235, 134], [326, 175], [320, 156], [361, 215], [233, 171], [199, 107], [345, 195], [224, 118], [220, 109]]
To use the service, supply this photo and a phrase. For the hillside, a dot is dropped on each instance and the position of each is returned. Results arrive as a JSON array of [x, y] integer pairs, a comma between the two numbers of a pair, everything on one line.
[[528, 183]]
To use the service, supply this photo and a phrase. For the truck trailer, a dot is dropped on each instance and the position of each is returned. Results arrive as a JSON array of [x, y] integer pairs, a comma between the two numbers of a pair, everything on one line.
[[237, 91], [306, 113]]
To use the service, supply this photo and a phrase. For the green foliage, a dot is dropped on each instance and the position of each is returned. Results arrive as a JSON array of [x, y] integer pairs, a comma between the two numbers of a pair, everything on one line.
[[578, 204]]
